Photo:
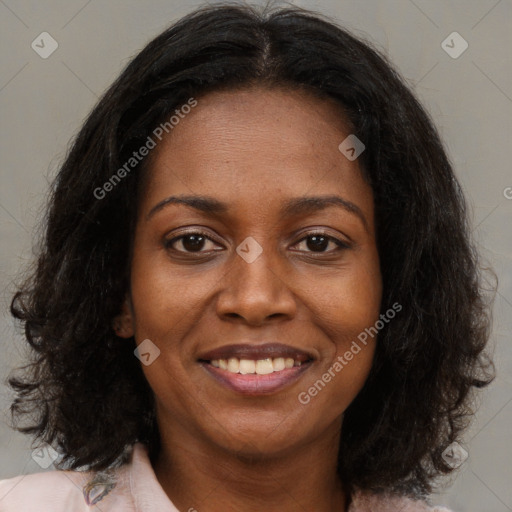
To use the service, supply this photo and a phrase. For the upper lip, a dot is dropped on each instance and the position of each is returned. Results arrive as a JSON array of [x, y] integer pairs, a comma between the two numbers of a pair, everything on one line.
[[255, 352]]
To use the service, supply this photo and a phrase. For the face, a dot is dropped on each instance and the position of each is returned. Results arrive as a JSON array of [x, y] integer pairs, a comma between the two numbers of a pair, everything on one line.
[[270, 260]]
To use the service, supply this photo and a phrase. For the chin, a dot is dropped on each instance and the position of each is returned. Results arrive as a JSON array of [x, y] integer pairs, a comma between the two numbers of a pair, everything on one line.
[[258, 439]]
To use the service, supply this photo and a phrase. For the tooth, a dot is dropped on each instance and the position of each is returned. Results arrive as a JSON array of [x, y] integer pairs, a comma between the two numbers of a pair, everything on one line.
[[278, 364], [260, 367], [264, 366], [289, 362], [233, 364], [247, 366]]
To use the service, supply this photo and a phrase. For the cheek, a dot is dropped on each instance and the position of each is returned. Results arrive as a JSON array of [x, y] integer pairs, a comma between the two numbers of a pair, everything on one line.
[[164, 309], [347, 358], [348, 302], [326, 397], [166, 299], [346, 308]]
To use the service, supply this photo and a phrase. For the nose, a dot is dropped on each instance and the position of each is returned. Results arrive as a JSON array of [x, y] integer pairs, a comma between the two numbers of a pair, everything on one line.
[[256, 291]]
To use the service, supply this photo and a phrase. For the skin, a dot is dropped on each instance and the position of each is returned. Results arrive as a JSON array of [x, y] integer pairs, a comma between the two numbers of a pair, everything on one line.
[[253, 149]]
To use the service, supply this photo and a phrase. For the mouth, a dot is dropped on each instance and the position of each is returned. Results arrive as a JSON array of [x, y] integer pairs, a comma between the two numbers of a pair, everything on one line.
[[256, 369]]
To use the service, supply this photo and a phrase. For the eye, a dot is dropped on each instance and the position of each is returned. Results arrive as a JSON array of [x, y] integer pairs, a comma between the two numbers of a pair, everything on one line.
[[193, 241], [318, 242], [197, 242]]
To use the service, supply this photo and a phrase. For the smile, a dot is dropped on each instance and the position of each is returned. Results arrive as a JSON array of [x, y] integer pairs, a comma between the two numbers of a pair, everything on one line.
[[256, 369], [259, 367]]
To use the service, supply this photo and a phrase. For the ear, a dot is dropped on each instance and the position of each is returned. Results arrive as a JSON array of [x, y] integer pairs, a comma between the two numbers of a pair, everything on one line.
[[123, 323]]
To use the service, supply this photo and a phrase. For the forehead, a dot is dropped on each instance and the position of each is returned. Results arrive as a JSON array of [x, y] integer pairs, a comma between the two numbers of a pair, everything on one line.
[[257, 146]]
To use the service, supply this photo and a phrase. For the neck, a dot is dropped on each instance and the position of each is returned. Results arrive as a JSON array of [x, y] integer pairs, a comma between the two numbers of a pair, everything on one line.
[[197, 475]]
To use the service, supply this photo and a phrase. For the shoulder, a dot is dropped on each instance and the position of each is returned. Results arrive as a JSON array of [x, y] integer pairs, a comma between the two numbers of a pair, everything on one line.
[[369, 502], [46, 490], [81, 491]]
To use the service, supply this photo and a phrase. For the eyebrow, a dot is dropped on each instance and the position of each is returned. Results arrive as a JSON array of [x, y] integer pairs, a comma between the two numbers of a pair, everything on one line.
[[296, 206]]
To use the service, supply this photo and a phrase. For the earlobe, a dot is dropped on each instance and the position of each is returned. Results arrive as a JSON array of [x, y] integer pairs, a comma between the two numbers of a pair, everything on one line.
[[123, 323]]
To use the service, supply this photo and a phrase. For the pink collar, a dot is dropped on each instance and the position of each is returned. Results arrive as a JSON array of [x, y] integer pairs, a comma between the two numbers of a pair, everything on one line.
[[146, 491]]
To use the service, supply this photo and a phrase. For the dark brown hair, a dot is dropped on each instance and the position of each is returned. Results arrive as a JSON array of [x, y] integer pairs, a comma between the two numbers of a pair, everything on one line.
[[85, 393]]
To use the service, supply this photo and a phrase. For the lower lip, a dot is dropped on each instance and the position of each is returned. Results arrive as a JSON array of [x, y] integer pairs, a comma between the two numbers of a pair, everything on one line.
[[253, 384]]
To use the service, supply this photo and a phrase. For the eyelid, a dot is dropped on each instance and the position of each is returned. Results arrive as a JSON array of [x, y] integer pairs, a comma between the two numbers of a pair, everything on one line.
[[193, 231], [341, 244]]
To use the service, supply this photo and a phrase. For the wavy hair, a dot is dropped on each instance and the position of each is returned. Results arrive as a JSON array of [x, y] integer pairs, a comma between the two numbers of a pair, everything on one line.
[[84, 391]]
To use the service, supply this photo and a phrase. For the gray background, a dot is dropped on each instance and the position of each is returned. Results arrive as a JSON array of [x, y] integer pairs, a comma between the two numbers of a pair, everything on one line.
[[44, 102]]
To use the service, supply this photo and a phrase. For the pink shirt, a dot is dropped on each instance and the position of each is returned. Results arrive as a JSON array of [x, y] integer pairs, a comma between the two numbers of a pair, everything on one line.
[[137, 490]]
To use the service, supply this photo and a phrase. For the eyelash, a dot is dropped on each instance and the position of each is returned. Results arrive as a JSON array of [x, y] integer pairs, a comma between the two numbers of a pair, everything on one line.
[[339, 243]]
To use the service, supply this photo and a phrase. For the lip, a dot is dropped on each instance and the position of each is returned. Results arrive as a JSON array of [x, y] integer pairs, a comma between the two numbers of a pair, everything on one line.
[[253, 384], [256, 351]]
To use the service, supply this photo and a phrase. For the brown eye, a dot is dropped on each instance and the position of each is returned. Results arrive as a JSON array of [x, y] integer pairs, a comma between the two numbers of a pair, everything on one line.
[[319, 242], [190, 242]]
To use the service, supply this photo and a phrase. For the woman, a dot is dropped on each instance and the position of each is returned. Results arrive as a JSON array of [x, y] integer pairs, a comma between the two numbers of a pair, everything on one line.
[[257, 289]]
